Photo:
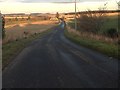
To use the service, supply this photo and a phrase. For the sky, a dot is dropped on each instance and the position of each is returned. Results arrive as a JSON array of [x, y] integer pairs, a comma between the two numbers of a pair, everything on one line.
[[51, 6]]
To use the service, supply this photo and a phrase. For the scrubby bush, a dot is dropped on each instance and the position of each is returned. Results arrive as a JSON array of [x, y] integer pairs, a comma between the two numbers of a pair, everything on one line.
[[3, 27], [112, 32], [29, 17], [16, 19], [91, 21]]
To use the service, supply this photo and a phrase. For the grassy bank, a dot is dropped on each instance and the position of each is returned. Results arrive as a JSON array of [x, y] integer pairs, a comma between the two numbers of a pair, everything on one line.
[[106, 48], [110, 22], [10, 50], [98, 42]]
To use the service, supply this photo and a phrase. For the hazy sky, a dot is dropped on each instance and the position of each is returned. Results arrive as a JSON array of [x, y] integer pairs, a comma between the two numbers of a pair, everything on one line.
[[39, 1], [46, 6]]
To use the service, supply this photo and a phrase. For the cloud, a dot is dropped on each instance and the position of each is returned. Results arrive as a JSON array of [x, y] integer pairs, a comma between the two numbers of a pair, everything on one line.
[[53, 8], [11, 1], [40, 1], [37, 1], [2, 0]]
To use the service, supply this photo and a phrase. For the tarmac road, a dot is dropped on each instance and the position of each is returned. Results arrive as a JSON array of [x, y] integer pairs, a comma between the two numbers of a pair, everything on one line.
[[54, 62]]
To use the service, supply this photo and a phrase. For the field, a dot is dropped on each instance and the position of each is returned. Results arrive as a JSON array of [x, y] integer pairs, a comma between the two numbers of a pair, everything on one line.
[[25, 29], [111, 21]]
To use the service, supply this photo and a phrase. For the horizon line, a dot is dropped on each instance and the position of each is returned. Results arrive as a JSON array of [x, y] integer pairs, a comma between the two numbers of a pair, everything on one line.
[[54, 12]]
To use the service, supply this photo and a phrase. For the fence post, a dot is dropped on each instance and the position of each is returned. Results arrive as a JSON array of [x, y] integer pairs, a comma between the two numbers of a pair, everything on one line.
[[0, 50], [0, 25]]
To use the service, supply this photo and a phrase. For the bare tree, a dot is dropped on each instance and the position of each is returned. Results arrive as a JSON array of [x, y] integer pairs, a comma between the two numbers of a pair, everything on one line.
[[29, 17], [16, 19], [118, 3], [58, 16], [92, 21]]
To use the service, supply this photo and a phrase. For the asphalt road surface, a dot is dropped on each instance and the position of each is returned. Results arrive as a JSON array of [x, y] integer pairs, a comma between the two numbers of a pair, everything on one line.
[[54, 62]]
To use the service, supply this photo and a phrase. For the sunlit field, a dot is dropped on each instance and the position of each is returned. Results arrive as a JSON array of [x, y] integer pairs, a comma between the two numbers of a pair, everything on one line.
[[25, 29]]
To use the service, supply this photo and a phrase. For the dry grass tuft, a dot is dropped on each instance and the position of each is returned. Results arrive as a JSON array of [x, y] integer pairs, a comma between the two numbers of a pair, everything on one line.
[[94, 36]]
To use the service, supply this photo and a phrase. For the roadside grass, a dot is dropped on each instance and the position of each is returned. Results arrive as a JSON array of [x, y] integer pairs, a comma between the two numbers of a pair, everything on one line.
[[104, 45], [110, 50], [12, 49], [71, 23]]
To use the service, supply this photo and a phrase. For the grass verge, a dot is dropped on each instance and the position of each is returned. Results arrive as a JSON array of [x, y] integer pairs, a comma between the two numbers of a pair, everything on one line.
[[12, 49], [110, 50]]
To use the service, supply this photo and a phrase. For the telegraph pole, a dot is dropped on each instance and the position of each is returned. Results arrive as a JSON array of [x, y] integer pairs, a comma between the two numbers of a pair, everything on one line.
[[75, 17], [75, 1]]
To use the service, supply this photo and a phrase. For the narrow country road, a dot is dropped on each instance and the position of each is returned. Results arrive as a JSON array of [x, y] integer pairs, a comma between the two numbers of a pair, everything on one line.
[[54, 62]]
